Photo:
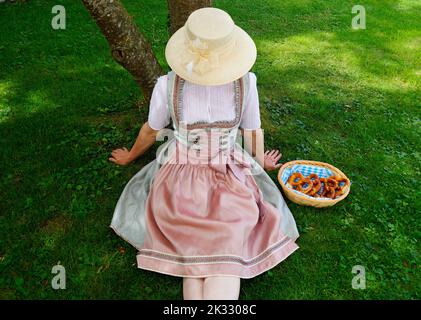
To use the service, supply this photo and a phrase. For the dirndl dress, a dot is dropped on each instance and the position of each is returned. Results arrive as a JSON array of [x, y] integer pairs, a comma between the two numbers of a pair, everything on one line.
[[204, 207]]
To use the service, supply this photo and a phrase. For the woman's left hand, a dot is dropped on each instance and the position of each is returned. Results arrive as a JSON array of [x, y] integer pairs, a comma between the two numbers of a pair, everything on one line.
[[271, 160], [121, 156]]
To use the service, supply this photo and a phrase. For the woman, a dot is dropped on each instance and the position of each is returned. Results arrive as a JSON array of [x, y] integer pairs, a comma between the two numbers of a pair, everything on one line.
[[205, 210]]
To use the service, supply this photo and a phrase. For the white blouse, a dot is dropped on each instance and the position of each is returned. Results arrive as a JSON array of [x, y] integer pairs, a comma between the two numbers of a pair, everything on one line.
[[205, 103]]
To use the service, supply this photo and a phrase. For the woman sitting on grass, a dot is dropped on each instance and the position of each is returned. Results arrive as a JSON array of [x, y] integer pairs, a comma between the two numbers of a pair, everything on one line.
[[207, 212]]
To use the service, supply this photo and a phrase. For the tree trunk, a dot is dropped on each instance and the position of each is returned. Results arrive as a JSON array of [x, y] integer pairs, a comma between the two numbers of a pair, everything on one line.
[[129, 47], [179, 11]]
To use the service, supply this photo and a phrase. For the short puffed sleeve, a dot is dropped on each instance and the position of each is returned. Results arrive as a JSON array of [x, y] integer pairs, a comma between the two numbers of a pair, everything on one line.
[[251, 113], [159, 116]]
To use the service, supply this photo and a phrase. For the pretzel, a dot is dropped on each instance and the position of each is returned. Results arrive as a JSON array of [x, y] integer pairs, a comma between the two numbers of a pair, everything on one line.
[[316, 187], [339, 191], [329, 192], [313, 177], [332, 183], [297, 187], [341, 180], [292, 179], [306, 185]]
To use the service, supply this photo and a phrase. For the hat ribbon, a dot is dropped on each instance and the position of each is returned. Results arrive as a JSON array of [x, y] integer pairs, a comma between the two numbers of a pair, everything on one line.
[[200, 59]]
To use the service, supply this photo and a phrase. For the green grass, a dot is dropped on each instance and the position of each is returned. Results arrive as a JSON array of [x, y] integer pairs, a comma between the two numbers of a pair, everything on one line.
[[329, 93]]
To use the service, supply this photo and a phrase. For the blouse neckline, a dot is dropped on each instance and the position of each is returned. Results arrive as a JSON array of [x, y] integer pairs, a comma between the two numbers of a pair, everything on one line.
[[178, 106]]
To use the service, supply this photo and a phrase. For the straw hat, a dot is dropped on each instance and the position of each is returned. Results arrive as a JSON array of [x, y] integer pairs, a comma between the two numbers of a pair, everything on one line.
[[210, 49]]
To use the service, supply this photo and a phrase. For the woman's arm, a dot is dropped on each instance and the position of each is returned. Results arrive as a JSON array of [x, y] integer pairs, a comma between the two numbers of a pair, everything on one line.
[[254, 144], [145, 139]]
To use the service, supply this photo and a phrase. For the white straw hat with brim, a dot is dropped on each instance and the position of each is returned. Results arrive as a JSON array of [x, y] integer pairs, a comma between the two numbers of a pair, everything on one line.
[[210, 49]]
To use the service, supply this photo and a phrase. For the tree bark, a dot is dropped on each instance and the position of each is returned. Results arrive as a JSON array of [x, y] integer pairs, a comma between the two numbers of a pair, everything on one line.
[[129, 47], [179, 11]]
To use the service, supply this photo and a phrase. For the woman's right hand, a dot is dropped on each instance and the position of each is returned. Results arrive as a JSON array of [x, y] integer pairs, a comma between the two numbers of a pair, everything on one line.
[[121, 156], [271, 160]]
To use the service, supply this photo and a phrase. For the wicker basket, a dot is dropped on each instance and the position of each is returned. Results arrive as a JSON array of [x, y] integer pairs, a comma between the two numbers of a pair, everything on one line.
[[306, 200]]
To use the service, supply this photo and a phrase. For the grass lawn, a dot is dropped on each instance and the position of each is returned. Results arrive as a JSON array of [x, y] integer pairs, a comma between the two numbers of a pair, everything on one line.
[[329, 93]]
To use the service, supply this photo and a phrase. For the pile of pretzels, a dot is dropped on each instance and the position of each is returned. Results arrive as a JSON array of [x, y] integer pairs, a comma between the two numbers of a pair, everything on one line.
[[316, 187]]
